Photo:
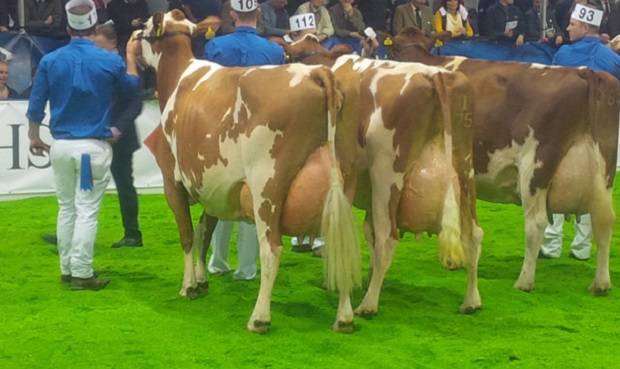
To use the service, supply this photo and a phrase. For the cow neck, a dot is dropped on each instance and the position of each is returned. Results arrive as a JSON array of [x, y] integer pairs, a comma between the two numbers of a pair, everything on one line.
[[417, 53], [176, 57]]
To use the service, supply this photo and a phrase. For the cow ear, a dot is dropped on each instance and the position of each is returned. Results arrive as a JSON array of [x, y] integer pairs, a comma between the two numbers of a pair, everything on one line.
[[207, 27], [158, 24]]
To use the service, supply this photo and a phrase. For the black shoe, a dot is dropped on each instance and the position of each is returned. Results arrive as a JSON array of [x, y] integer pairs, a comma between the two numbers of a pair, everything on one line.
[[50, 238], [127, 242], [65, 278], [92, 283]]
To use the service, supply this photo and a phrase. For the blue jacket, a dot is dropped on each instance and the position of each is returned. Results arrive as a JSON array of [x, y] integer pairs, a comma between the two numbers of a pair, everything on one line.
[[243, 48], [79, 80], [591, 53]]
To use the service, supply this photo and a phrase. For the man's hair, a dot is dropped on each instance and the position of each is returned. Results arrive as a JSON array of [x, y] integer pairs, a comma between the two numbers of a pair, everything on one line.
[[247, 16], [107, 31]]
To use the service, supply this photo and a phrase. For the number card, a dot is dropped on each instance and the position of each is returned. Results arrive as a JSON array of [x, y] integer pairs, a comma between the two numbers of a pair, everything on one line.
[[243, 6], [370, 33], [511, 25], [587, 15], [301, 22]]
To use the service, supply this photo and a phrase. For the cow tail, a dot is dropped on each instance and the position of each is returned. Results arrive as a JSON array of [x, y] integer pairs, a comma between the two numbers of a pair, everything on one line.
[[341, 253], [451, 252]]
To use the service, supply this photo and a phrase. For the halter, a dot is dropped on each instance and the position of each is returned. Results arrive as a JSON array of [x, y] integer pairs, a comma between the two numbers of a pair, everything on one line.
[[151, 39]]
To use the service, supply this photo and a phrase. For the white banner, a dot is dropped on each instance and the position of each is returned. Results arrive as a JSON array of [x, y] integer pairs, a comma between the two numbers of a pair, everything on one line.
[[22, 174]]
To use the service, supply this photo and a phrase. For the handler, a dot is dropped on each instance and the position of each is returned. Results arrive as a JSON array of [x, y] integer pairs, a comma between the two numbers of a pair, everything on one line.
[[242, 48], [79, 81], [586, 50]]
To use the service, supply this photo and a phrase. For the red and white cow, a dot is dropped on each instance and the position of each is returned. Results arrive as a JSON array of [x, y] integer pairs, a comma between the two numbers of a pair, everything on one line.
[[545, 138], [245, 142]]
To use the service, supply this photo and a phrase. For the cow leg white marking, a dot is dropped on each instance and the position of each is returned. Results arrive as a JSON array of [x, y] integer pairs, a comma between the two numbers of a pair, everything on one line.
[[535, 222], [344, 318], [260, 319], [189, 277], [472, 253]]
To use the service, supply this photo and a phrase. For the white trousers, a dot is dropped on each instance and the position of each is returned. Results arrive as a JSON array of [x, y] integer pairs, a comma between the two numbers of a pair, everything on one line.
[[317, 243], [581, 245], [76, 226], [247, 249]]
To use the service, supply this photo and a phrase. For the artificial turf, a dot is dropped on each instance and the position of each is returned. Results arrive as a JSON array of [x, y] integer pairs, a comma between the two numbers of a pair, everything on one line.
[[140, 321]]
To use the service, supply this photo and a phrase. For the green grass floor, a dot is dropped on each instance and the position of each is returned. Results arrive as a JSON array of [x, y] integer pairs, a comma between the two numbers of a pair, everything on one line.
[[140, 321]]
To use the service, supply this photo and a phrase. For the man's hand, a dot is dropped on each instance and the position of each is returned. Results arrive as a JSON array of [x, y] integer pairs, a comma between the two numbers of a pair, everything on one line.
[[520, 40], [49, 20], [604, 38], [509, 33], [559, 40], [116, 135], [135, 23], [322, 37], [38, 147], [3, 29]]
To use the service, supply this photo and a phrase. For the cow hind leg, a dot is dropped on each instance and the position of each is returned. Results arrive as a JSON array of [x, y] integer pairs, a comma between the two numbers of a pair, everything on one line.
[[602, 225], [179, 204], [202, 240], [535, 222], [472, 301], [260, 320]]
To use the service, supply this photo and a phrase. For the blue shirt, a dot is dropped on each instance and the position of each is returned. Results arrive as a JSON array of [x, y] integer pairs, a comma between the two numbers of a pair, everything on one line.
[[243, 48], [589, 52], [79, 80]]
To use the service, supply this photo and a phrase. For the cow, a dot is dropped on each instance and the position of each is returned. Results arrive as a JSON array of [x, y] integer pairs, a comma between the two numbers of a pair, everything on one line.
[[255, 144], [546, 138], [416, 172]]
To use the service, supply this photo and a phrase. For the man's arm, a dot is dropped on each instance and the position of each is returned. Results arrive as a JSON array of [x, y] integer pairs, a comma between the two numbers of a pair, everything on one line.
[[269, 22]]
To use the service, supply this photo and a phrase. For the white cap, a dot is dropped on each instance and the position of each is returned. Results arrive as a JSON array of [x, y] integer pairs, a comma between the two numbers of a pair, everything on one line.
[[587, 15], [81, 22], [301, 22], [243, 6]]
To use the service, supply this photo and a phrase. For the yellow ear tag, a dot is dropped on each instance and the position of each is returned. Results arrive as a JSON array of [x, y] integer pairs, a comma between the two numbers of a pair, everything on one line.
[[387, 41], [159, 31], [210, 33]]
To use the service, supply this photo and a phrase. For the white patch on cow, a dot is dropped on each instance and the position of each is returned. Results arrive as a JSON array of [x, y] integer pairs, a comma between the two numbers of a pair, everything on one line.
[[200, 156], [196, 64], [298, 71], [501, 182], [455, 63], [238, 105], [168, 20]]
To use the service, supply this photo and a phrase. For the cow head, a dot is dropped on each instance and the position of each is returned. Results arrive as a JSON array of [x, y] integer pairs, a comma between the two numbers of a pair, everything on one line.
[[308, 50], [411, 39], [170, 29]]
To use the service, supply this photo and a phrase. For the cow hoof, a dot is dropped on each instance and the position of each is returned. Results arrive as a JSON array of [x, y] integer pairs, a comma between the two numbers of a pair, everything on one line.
[[203, 287], [365, 312], [189, 292], [343, 327], [259, 326], [469, 309], [525, 287], [600, 289]]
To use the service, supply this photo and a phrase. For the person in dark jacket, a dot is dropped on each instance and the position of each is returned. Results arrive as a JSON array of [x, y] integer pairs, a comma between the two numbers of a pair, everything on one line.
[[533, 28], [503, 21], [8, 12], [123, 116], [44, 18], [128, 16]]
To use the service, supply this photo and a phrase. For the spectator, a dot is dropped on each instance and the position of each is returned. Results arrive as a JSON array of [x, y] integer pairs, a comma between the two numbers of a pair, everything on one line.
[[452, 20], [127, 15], [102, 10], [503, 21], [586, 50], [611, 24], [8, 15], [5, 91], [83, 79], [242, 48], [123, 115], [274, 18], [415, 13], [533, 27], [375, 13], [44, 18], [347, 20], [324, 27]]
